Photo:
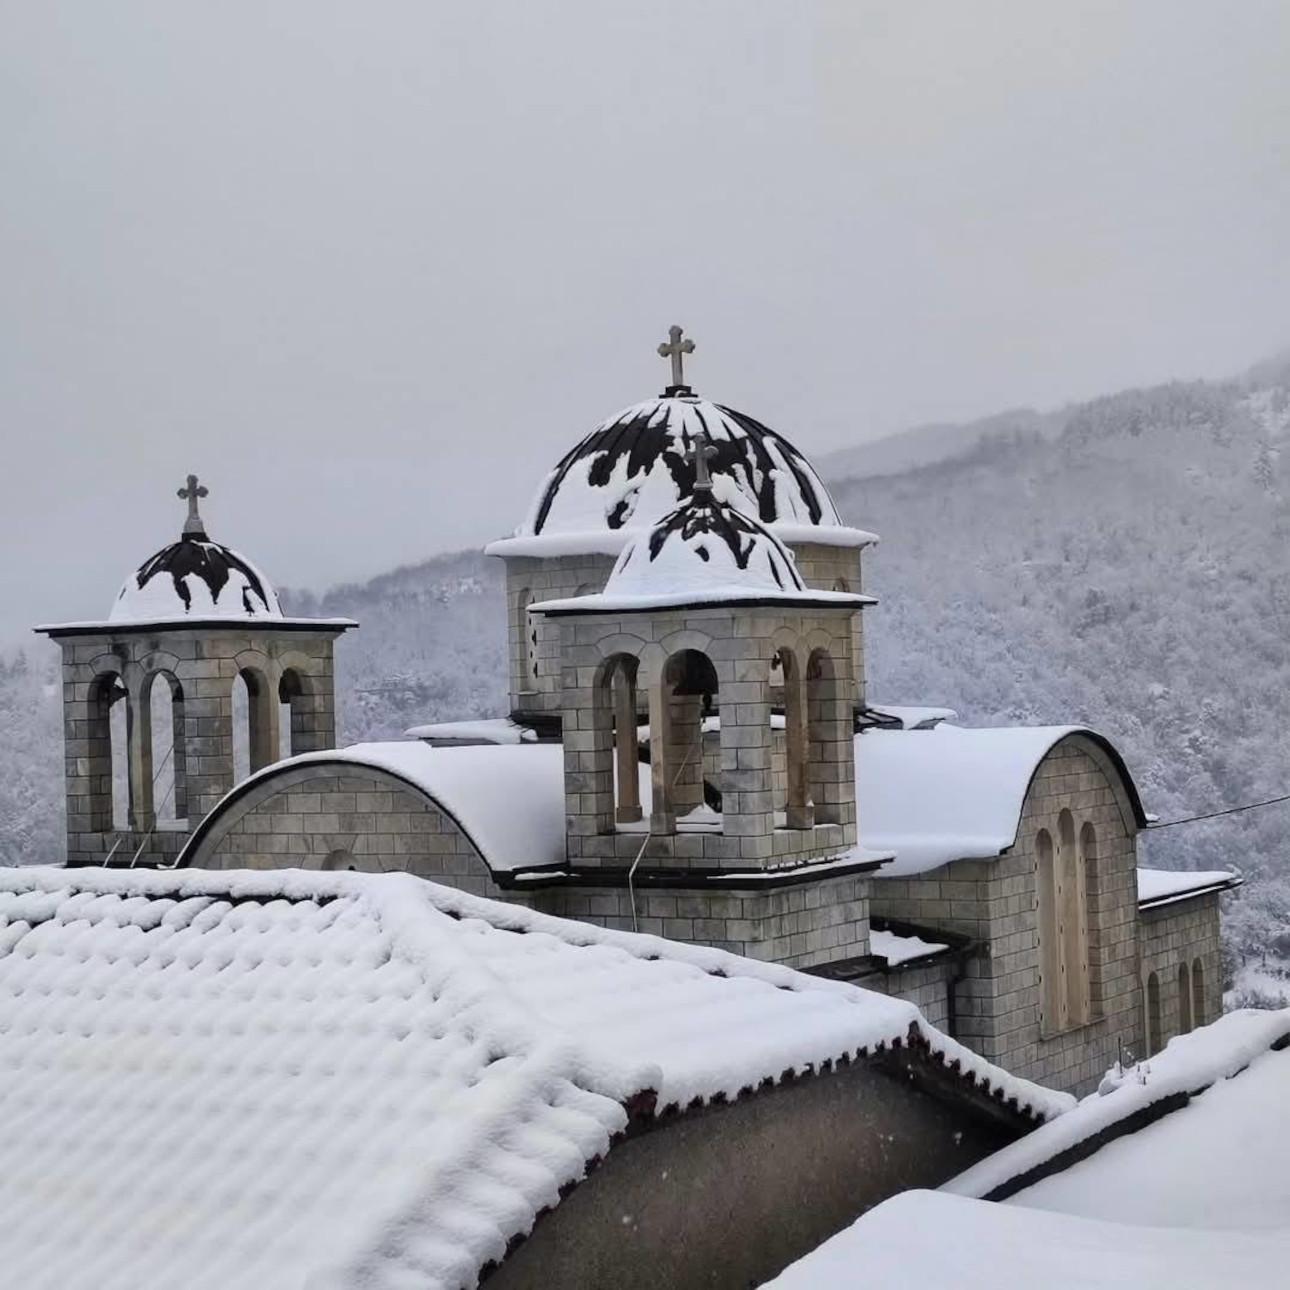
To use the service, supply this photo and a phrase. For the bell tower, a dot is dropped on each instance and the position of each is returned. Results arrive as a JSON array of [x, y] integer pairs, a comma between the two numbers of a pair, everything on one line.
[[194, 679]]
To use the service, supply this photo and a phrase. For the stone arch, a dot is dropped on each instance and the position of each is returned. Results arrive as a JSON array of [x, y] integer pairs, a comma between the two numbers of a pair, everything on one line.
[[297, 704], [1184, 998], [796, 803], [830, 755], [685, 692], [615, 706], [108, 739], [164, 729], [255, 730], [1151, 999], [1198, 1001], [1071, 906]]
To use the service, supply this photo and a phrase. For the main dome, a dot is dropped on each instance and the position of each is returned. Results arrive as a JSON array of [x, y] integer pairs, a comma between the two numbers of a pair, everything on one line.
[[637, 466], [195, 578]]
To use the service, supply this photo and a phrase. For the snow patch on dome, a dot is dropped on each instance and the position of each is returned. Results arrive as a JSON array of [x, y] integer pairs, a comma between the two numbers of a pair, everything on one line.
[[199, 579]]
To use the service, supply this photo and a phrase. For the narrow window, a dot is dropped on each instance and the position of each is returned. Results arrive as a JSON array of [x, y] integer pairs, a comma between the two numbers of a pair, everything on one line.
[[1052, 993], [294, 715], [526, 640], [1184, 998], [1072, 918], [168, 752], [1092, 879], [1198, 1012], [1153, 1015], [830, 774]]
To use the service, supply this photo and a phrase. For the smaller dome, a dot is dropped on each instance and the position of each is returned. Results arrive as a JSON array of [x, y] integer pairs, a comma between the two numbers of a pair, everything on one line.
[[705, 549], [195, 578]]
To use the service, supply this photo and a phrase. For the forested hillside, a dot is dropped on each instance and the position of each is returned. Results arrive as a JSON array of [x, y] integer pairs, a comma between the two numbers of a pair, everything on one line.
[[1131, 572]]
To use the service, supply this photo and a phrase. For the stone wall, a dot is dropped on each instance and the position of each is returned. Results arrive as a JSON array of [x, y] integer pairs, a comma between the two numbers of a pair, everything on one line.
[[1175, 939], [837, 568], [201, 666], [995, 902], [739, 644], [927, 987]]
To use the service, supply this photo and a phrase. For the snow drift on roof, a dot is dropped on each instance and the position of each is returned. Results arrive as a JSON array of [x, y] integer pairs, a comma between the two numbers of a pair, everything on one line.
[[1160, 886], [220, 1080]]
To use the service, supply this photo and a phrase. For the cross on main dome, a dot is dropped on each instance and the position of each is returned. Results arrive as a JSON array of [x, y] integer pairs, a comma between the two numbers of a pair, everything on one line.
[[675, 348]]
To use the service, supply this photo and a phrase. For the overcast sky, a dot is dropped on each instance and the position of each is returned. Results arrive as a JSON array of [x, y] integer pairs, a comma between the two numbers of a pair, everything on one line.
[[370, 268]]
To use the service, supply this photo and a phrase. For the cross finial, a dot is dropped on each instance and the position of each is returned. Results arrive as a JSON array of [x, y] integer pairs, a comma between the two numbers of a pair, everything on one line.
[[674, 348], [700, 451], [193, 526]]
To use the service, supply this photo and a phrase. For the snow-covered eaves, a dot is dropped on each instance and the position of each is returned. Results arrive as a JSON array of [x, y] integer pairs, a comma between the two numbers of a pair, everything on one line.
[[611, 541], [904, 950], [1129, 1100], [495, 730], [913, 718], [1157, 887], [244, 1079], [732, 596], [228, 622]]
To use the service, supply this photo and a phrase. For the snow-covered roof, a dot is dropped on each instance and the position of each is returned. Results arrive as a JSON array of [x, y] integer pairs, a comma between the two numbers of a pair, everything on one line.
[[1174, 1174], [1187, 1064], [509, 798], [635, 467], [927, 1238], [220, 1079], [486, 730], [897, 948], [913, 718], [952, 792], [705, 552], [1165, 886]]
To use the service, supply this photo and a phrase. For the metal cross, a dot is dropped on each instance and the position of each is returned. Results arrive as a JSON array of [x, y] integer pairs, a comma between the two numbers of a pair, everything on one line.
[[700, 451], [674, 347], [193, 526]]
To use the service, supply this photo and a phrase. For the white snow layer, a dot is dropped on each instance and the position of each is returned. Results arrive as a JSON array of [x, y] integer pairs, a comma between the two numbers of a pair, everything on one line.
[[487, 730], [1187, 1064], [1161, 885], [925, 1238], [926, 796], [898, 949], [218, 1079], [159, 601]]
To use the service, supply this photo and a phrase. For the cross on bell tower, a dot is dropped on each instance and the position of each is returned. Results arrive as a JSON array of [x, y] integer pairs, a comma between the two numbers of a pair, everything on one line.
[[193, 526], [675, 348]]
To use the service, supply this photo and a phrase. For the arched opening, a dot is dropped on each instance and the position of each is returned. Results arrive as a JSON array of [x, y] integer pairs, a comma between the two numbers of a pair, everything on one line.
[[830, 762], [294, 714], [792, 790], [526, 640], [841, 584], [1184, 998], [168, 752], [1072, 918], [339, 860], [108, 741], [685, 695], [254, 743], [1154, 1039], [618, 680], [1092, 878], [1198, 1009], [1052, 992]]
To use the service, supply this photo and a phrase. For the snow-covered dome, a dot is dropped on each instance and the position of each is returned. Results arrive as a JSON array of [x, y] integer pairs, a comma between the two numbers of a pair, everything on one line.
[[705, 549], [637, 466], [195, 578]]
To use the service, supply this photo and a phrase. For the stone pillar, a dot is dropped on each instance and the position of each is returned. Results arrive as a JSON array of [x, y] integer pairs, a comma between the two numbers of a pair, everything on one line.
[[626, 747], [662, 818], [746, 788]]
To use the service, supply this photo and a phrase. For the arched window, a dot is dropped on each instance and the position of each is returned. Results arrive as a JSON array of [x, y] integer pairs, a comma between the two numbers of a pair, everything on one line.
[[828, 726], [619, 677], [108, 807], [1063, 929], [254, 745], [168, 752], [1184, 998], [794, 798], [686, 694], [1198, 1011], [1091, 874], [1154, 1038], [294, 714]]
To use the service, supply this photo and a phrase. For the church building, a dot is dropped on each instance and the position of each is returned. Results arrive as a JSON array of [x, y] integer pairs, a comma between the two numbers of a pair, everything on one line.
[[691, 751]]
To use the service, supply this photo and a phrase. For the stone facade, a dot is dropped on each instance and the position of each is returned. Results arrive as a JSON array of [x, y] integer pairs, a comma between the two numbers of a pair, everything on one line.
[[1181, 954], [281, 667], [738, 646], [996, 903]]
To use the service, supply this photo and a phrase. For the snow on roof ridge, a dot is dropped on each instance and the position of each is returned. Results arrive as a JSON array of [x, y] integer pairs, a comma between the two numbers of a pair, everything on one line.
[[1186, 1065]]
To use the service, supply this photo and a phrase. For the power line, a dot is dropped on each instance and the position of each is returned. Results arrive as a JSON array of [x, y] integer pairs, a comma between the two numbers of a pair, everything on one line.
[[1214, 815]]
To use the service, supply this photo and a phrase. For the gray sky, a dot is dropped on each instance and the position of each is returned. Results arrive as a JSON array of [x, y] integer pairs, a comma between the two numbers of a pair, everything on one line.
[[370, 268]]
